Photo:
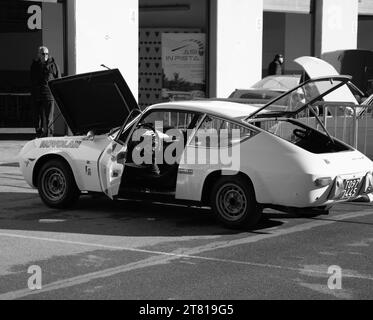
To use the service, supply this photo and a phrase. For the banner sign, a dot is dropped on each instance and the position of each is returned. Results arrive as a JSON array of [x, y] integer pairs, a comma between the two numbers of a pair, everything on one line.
[[183, 63]]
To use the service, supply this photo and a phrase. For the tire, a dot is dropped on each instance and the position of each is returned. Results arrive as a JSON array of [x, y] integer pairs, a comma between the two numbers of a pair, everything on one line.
[[233, 202], [56, 185]]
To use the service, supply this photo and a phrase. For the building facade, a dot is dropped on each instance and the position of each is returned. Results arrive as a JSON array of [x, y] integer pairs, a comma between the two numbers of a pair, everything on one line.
[[166, 48]]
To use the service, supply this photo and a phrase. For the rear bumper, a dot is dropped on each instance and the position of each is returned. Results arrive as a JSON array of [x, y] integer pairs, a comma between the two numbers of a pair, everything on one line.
[[302, 191], [340, 188]]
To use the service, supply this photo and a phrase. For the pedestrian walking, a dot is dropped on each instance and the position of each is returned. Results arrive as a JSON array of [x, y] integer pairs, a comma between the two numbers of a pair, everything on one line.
[[276, 66], [43, 69]]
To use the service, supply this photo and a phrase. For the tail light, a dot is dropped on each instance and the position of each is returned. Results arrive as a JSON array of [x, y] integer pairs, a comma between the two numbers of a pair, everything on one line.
[[367, 186], [323, 182]]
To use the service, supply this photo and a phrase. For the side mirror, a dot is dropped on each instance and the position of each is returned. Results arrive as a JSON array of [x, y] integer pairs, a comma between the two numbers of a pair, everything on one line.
[[90, 136]]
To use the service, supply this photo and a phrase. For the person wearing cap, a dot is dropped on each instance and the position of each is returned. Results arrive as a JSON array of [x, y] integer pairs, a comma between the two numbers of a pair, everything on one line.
[[276, 66], [43, 69]]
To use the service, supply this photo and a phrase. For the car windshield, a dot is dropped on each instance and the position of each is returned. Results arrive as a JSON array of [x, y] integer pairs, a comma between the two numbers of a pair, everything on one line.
[[278, 82], [303, 96]]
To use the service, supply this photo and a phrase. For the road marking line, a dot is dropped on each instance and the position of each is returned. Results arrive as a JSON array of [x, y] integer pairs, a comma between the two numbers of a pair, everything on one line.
[[151, 262], [165, 257], [211, 246]]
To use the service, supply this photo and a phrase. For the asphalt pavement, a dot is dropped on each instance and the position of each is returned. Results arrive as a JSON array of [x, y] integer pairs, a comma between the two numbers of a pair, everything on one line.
[[132, 250]]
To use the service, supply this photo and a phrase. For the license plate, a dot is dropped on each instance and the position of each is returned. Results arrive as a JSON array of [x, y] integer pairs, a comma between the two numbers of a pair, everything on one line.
[[351, 188]]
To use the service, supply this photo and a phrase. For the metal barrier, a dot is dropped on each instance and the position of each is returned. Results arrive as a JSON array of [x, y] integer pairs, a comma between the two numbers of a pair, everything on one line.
[[348, 122]]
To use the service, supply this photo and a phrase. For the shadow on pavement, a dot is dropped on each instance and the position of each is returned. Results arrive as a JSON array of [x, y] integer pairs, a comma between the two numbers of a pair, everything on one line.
[[101, 216]]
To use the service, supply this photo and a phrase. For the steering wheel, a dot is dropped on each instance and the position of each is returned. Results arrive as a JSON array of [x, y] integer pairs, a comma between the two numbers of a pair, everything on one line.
[[155, 144], [302, 134]]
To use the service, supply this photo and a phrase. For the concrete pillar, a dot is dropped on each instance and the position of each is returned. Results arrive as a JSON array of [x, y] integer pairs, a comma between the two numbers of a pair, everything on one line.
[[104, 32], [235, 45], [335, 25]]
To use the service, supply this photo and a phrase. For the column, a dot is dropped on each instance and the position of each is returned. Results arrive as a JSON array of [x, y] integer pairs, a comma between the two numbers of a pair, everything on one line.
[[104, 32], [235, 45], [335, 25]]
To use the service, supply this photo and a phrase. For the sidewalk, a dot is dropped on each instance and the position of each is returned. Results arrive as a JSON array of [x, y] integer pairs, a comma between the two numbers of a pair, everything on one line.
[[9, 150], [14, 134]]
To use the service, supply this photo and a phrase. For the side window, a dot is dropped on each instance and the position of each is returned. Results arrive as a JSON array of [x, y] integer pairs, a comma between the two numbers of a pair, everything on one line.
[[166, 121], [124, 134], [218, 133], [170, 119]]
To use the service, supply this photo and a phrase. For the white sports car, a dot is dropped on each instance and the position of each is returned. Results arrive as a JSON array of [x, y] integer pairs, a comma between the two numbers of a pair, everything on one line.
[[236, 158]]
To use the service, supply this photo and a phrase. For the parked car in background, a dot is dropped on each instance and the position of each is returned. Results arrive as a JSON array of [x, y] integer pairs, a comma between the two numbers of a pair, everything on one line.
[[268, 88]]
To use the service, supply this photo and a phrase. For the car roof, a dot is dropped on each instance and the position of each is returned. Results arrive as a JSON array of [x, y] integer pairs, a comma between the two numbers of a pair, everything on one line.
[[224, 109], [294, 75]]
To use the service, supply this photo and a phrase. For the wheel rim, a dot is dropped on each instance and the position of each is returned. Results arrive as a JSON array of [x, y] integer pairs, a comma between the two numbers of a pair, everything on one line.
[[54, 184], [231, 202]]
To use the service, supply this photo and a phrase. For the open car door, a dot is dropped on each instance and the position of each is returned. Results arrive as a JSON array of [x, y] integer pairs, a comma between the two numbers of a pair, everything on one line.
[[112, 160], [111, 168], [97, 102]]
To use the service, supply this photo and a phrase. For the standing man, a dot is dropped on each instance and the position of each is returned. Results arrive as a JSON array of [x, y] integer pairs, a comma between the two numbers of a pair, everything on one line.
[[43, 69], [276, 66]]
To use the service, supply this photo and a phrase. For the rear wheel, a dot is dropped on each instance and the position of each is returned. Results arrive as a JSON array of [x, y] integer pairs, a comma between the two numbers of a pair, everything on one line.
[[233, 201], [56, 185]]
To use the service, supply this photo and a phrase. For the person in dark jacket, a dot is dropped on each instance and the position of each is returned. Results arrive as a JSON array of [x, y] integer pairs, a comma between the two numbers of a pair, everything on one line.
[[43, 69], [276, 66]]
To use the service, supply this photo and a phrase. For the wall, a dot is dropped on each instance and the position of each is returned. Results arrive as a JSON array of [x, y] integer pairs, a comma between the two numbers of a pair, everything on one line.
[[106, 33], [298, 6], [154, 14], [20, 44], [289, 34], [273, 37], [13, 55], [364, 38], [336, 25], [235, 45], [298, 40], [53, 35]]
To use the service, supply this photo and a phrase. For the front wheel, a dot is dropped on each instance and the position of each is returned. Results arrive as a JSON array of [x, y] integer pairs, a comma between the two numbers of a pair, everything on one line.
[[56, 185], [233, 202]]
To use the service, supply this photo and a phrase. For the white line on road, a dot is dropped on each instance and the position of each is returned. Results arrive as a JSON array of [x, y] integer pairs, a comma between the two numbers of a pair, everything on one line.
[[165, 257]]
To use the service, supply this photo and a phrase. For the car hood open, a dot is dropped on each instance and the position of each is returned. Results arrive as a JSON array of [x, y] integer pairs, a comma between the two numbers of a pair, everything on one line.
[[315, 68], [97, 101], [313, 90]]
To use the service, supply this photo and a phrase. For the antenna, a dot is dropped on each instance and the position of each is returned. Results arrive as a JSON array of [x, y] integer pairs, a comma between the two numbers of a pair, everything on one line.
[[106, 67]]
